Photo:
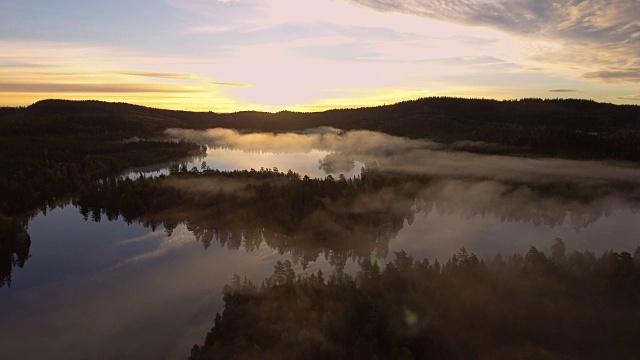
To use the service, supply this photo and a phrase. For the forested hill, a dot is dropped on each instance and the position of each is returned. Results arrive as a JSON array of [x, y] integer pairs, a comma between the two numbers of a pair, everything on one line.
[[54, 147], [562, 128]]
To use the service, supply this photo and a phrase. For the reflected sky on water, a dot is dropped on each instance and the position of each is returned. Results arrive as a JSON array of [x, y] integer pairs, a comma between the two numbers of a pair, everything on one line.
[[434, 235], [303, 163], [92, 289], [113, 290]]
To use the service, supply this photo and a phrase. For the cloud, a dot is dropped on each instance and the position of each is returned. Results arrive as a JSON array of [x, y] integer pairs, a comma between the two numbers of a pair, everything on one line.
[[563, 90], [232, 84], [466, 60], [602, 35], [604, 20], [343, 51], [629, 97], [21, 64], [521, 16], [178, 76], [85, 71], [632, 75], [470, 63], [91, 88], [472, 40], [617, 20], [335, 45], [160, 75]]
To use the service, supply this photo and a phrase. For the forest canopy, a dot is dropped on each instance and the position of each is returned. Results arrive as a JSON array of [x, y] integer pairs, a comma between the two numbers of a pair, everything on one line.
[[566, 305]]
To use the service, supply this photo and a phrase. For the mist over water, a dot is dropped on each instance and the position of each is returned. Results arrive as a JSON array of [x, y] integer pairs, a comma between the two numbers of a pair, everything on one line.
[[109, 282], [412, 156], [326, 138], [487, 203]]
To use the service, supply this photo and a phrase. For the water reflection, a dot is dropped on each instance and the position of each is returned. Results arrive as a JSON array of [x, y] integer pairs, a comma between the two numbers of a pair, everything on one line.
[[124, 290], [422, 156], [356, 218], [438, 235], [114, 290], [14, 248], [137, 268], [304, 163]]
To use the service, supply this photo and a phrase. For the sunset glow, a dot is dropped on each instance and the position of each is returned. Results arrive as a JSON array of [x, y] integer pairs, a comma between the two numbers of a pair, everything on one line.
[[231, 55]]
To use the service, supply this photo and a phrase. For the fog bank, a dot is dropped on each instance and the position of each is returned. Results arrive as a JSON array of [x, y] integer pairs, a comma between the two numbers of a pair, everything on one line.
[[416, 156]]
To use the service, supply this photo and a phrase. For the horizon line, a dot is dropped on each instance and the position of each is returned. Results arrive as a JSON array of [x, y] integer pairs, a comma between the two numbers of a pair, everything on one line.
[[325, 108]]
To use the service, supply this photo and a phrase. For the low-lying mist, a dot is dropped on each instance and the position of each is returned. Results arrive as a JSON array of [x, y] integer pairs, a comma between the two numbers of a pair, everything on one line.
[[404, 155], [363, 216], [325, 138], [440, 182]]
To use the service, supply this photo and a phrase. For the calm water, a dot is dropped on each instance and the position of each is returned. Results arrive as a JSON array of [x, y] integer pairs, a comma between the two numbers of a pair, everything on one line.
[[112, 291], [304, 163], [109, 290]]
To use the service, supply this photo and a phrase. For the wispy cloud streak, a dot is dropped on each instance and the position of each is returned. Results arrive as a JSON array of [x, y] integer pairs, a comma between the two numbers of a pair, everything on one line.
[[603, 32]]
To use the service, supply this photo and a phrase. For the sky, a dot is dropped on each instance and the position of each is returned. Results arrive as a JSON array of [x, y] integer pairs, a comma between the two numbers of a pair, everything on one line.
[[313, 55]]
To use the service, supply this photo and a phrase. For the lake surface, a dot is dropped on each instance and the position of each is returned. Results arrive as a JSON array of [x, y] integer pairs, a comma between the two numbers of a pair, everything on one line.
[[304, 163], [112, 290]]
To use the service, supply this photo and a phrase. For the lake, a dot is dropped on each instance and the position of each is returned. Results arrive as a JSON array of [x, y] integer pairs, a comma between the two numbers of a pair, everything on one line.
[[113, 290]]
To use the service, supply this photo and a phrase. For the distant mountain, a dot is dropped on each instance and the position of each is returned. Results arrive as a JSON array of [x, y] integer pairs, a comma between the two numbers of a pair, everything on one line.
[[562, 128]]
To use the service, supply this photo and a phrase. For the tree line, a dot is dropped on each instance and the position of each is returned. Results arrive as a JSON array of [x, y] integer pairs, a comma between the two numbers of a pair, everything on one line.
[[560, 306], [46, 156], [570, 128], [308, 217], [14, 247]]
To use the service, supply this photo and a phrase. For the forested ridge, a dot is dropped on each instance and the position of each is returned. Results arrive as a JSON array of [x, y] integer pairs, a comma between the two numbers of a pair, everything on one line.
[[53, 147], [571, 128], [58, 139]]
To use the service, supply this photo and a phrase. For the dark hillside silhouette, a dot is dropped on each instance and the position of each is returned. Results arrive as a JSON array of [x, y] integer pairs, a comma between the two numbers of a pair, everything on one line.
[[559, 128]]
